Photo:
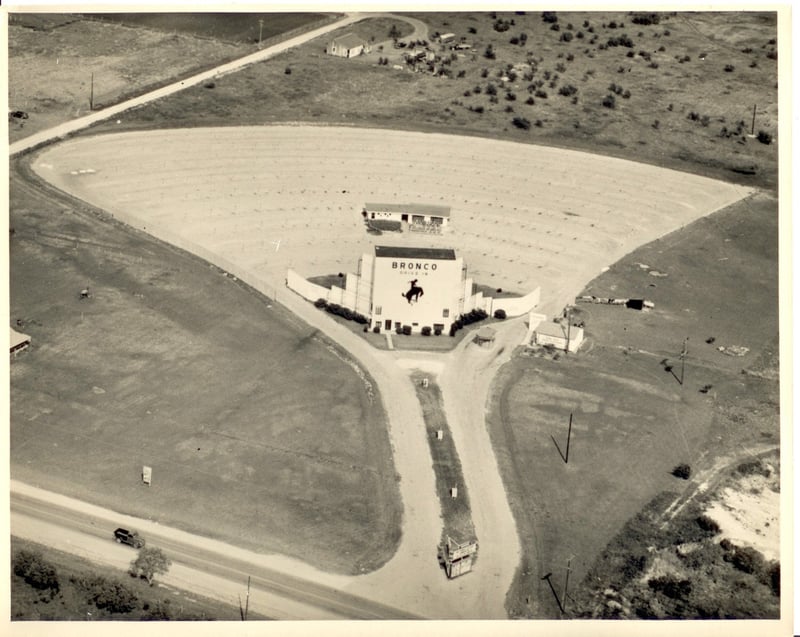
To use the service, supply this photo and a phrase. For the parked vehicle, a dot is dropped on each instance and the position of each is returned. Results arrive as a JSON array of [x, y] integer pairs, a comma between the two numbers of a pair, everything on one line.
[[131, 538]]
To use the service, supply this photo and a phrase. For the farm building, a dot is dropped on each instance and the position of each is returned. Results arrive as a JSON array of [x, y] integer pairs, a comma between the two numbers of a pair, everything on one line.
[[347, 46], [558, 334], [421, 218], [18, 341]]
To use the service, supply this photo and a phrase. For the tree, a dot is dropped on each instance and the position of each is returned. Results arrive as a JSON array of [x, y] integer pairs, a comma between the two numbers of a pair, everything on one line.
[[150, 562], [394, 32]]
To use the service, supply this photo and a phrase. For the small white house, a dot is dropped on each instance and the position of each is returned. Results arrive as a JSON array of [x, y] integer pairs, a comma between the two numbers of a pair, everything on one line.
[[558, 334], [347, 46], [18, 341]]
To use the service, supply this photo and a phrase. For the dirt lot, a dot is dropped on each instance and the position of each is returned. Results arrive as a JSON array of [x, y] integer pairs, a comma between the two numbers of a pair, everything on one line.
[[633, 421], [134, 375]]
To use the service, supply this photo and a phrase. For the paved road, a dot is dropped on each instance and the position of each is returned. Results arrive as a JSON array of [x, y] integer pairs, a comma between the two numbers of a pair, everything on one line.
[[412, 579], [201, 566]]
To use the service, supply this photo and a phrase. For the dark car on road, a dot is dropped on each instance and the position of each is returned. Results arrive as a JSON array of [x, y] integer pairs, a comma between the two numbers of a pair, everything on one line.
[[132, 538]]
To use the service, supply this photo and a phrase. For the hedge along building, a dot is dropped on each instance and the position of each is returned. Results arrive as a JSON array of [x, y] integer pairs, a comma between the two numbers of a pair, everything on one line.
[[415, 287]]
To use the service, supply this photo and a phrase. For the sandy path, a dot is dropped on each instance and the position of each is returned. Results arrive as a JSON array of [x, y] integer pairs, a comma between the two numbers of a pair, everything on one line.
[[523, 216]]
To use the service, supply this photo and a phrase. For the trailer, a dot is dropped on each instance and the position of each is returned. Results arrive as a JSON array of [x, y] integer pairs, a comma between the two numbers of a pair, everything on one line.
[[457, 557]]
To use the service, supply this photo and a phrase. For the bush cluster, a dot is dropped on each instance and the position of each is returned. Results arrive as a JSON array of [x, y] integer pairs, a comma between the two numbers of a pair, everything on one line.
[[106, 594], [621, 40], [521, 122], [683, 471], [473, 316], [339, 310], [646, 19], [36, 572]]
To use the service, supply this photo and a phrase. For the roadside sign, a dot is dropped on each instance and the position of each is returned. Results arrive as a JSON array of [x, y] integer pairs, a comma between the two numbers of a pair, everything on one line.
[[147, 475]]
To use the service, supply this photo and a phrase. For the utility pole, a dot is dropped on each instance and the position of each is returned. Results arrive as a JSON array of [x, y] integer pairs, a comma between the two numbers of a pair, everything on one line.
[[566, 581], [260, 28], [569, 436], [683, 357], [753, 125], [243, 611], [566, 349], [91, 94]]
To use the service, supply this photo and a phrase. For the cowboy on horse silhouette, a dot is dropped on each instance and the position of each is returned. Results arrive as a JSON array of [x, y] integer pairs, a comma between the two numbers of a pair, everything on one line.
[[414, 293]]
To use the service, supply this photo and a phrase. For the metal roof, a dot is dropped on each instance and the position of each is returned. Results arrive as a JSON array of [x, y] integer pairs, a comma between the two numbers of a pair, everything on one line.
[[349, 41], [549, 328], [413, 208], [400, 252]]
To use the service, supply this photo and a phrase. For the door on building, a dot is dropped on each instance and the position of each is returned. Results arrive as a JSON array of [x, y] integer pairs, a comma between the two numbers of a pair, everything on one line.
[[387, 324], [404, 217]]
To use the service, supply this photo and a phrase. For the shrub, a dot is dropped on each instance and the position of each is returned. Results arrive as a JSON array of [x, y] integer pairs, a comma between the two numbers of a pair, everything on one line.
[[106, 594], [407, 330], [530, 101], [550, 17], [288, 71], [567, 90], [489, 53], [438, 331], [609, 101], [708, 524], [729, 68], [320, 303], [764, 137], [426, 330], [376, 329], [646, 19], [683, 471], [510, 96], [521, 122], [746, 559], [566, 36], [541, 94], [37, 573], [500, 314], [209, 84], [671, 587]]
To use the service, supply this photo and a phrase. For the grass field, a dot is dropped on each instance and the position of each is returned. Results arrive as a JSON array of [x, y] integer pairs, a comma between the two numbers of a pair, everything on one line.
[[239, 28], [674, 116], [633, 422], [456, 513], [173, 365], [72, 603], [62, 66]]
